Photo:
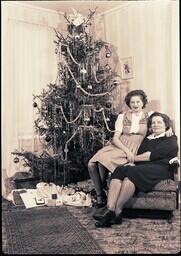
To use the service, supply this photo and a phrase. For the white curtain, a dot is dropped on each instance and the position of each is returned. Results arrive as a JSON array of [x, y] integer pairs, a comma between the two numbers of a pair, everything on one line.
[[29, 64]]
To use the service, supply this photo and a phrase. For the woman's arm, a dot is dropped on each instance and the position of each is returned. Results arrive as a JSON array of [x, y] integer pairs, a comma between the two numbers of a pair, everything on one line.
[[116, 141], [166, 149], [143, 157]]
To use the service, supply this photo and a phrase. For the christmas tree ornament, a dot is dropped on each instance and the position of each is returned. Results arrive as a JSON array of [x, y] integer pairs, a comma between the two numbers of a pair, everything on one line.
[[83, 71], [48, 138], [115, 82], [16, 160], [77, 18], [89, 87], [61, 83], [108, 105], [35, 104], [108, 55], [77, 37], [97, 58], [86, 119], [107, 68]]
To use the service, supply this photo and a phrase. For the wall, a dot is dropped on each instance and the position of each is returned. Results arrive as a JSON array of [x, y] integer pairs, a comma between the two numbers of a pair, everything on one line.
[[149, 32]]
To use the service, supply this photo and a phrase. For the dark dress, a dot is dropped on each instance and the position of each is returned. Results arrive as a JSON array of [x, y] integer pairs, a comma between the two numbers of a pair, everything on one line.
[[146, 174]]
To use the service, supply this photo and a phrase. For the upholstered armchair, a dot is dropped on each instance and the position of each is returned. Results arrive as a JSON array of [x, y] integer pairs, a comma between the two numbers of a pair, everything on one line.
[[160, 202]]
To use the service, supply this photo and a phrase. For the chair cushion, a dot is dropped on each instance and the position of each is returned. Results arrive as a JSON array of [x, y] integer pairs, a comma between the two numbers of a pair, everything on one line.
[[162, 197], [165, 185], [153, 200]]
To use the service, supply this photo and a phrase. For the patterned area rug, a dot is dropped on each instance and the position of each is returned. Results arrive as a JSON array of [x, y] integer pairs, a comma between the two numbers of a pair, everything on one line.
[[134, 236], [46, 230]]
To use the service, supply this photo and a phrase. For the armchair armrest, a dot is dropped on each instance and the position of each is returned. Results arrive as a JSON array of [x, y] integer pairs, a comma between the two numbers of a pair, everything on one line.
[[174, 162]]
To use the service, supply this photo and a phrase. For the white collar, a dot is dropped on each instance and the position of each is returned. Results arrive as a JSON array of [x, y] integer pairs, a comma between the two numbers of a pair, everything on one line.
[[152, 137]]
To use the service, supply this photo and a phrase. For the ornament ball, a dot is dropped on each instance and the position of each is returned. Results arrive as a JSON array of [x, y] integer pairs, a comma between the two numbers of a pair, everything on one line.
[[35, 105], [48, 138], [16, 160], [115, 82], [108, 105], [89, 87]]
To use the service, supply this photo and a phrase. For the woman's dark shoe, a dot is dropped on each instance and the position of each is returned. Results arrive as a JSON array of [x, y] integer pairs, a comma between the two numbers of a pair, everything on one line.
[[99, 212], [104, 215], [103, 224], [117, 219]]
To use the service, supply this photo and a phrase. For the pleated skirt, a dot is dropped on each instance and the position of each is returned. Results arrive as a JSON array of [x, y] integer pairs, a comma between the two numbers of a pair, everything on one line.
[[111, 157]]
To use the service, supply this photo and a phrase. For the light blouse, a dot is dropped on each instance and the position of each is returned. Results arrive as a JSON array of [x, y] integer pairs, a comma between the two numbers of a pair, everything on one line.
[[134, 122]]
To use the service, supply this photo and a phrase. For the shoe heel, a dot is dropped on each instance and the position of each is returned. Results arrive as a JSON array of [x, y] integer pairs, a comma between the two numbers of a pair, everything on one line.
[[102, 224], [118, 219]]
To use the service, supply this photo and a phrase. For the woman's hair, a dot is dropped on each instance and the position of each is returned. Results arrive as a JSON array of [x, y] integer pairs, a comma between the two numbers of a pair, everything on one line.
[[165, 118], [140, 93]]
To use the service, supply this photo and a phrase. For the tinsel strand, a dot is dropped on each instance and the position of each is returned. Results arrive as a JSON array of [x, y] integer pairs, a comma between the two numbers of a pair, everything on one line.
[[104, 117], [95, 77], [68, 50], [85, 92], [73, 121]]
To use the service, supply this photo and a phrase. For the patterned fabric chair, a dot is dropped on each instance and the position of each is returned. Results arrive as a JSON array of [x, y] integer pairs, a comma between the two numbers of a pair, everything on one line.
[[160, 202]]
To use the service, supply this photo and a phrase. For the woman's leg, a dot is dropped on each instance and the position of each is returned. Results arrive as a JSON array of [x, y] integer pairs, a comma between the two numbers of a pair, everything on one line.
[[103, 172], [113, 193], [126, 192], [107, 216], [95, 177]]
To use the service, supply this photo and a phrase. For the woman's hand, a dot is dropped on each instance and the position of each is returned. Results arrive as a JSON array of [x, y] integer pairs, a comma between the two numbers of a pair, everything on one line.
[[143, 157], [169, 132], [130, 156], [130, 164]]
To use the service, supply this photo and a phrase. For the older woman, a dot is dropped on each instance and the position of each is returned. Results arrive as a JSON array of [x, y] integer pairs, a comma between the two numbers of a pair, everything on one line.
[[151, 165], [130, 130]]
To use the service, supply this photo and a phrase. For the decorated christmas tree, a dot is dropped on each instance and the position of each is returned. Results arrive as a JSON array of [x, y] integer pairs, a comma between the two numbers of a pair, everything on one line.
[[75, 115]]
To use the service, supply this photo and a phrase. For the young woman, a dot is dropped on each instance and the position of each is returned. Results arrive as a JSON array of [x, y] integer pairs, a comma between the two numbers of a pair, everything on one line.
[[130, 130], [150, 166]]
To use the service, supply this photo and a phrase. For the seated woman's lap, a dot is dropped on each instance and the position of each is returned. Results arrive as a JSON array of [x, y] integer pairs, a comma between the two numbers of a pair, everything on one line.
[[144, 169], [144, 177]]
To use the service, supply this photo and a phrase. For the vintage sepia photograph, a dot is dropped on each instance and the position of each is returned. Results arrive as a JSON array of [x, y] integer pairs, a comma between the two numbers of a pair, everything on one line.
[[90, 127]]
